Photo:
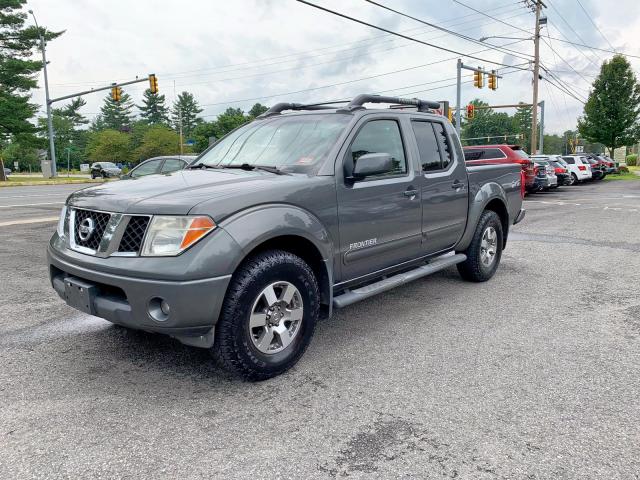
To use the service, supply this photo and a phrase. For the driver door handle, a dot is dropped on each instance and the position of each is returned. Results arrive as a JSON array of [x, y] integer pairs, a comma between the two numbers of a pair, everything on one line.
[[410, 193], [457, 184]]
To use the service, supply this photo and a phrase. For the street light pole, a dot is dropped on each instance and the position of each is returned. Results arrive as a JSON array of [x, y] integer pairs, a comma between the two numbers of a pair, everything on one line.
[[52, 145]]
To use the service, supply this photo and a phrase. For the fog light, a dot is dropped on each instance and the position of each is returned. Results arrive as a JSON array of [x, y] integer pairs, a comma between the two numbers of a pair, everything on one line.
[[158, 309], [164, 307]]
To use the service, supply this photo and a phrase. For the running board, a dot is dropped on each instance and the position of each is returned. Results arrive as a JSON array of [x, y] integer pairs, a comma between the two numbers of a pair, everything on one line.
[[353, 296]]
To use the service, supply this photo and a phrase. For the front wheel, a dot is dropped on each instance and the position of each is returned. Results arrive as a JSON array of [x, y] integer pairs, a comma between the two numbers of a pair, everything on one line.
[[268, 316], [485, 250]]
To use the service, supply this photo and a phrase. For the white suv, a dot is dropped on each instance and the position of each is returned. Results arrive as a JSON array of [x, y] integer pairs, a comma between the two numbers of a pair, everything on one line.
[[579, 167]]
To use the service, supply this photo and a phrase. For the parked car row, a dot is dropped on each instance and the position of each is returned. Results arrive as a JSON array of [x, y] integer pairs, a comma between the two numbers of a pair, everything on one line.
[[543, 172]]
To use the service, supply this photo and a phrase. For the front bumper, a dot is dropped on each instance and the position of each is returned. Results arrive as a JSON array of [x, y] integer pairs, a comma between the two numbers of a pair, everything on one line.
[[129, 301]]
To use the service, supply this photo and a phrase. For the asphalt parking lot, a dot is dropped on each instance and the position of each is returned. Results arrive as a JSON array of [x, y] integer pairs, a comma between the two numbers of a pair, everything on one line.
[[534, 374]]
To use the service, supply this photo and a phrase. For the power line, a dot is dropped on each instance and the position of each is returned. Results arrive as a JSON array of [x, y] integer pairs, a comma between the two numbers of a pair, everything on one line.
[[594, 24], [492, 17], [304, 53], [362, 22], [348, 81], [451, 32]]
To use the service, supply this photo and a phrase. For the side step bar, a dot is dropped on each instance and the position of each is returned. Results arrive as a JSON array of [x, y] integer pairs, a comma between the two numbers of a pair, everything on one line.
[[353, 296]]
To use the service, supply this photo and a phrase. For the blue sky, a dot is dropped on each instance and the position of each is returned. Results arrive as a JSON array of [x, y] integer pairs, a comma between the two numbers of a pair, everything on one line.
[[260, 50]]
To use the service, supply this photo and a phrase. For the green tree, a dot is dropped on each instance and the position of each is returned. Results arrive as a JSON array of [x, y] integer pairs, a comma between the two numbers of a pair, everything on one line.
[[522, 120], [553, 144], [116, 115], [612, 112], [17, 71], [25, 155], [257, 109], [109, 146], [202, 134], [229, 120], [185, 113], [158, 140], [153, 109], [69, 135], [487, 125]]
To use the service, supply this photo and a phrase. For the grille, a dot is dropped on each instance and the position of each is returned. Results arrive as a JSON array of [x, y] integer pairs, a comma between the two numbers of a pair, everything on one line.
[[99, 220], [133, 235]]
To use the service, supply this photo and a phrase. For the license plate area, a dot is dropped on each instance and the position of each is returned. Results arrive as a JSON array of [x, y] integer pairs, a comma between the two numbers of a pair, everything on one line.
[[80, 294]]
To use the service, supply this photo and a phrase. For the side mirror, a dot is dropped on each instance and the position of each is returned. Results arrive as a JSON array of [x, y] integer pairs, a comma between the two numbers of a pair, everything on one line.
[[372, 164]]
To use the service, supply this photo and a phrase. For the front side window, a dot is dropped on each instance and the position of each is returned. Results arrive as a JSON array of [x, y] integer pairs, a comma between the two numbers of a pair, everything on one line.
[[295, 143], [427, 145], [379, 136], [147, 168], [172, 165]]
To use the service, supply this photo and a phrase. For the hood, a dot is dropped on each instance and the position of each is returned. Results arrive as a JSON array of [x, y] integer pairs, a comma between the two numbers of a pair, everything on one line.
[[175, 193]]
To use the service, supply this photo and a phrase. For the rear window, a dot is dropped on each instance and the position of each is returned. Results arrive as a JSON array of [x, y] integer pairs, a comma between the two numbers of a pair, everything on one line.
[[520, 153], [483, 154]]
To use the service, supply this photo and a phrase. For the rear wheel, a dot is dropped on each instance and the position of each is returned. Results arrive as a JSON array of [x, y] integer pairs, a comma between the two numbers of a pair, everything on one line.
[[574, 179], [268, 316], [485, 250]]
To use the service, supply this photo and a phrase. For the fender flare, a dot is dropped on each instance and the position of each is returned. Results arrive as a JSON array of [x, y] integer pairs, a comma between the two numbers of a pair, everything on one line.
[[477, 205]]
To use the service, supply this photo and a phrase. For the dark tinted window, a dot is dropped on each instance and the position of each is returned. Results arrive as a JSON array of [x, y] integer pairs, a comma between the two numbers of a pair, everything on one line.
[[569, 160], [380, 136], [484, 154], [445, 146], [427, 146]]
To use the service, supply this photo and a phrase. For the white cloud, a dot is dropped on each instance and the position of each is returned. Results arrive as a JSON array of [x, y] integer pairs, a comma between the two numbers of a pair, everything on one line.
[[206, 47]]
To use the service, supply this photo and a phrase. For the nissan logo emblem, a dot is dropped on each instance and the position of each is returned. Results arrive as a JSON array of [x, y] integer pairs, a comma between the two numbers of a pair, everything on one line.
[[86, 228]]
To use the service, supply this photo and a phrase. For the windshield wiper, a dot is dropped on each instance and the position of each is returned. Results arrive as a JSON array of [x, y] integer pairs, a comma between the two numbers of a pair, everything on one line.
[[248, 166], [200, 166]]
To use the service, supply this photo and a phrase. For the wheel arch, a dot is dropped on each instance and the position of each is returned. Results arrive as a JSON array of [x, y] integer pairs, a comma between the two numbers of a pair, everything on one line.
[[291, 229], [498, 206]]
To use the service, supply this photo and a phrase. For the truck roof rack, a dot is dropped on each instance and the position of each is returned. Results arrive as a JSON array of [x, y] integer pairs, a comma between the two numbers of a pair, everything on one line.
[[281, 107], [422, 105], [355, 104]]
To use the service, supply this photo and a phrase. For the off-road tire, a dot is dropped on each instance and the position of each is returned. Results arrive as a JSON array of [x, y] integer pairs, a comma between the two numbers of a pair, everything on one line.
[[233, 347], [472, 269]]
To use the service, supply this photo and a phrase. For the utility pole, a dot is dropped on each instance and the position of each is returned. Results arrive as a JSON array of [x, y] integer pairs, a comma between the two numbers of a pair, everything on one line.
[[52, 145], [458, 97], [541, 142], [536, 75]]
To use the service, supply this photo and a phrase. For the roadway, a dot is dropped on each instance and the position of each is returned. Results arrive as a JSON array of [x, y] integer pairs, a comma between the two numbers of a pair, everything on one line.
[[533, 374]]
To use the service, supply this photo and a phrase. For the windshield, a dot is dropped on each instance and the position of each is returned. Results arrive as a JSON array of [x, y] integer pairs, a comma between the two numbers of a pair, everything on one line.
[[291, 143], [108, 165]]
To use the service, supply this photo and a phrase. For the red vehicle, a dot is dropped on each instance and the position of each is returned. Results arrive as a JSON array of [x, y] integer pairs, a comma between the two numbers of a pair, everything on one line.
[[490, 154]]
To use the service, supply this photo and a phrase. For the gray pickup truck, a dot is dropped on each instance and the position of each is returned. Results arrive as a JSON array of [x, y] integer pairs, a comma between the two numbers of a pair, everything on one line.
[[305, 209]]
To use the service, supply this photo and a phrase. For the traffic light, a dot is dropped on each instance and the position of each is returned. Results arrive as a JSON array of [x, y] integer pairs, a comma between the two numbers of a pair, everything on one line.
[[471, 111], [478, 78], [153, 83], [116, 93], [493, 80]]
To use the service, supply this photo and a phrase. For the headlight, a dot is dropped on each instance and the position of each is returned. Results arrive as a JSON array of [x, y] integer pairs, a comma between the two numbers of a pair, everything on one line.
[[168, 236], [61, 221]]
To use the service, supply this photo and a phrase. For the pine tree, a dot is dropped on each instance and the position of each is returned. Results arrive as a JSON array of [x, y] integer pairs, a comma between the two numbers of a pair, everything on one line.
[[523, 118], [17, 71], [185, 111], [117, 115], [153, 110], [612, 112]]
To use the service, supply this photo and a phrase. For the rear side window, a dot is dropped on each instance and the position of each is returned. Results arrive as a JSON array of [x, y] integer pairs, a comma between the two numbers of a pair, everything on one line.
[[443, 143], [427, 145], [520, 153], [380, 136], [484, 154], [569, 160]]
